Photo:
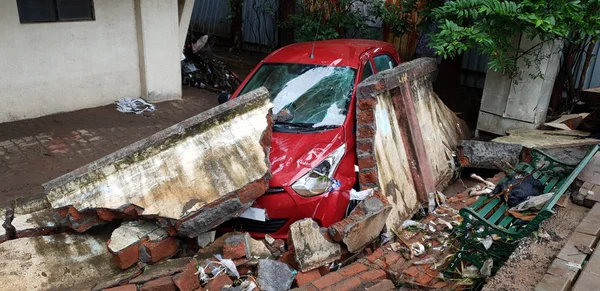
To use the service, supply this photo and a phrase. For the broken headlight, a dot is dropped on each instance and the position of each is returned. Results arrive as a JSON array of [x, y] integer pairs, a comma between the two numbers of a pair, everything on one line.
[[320, 179]]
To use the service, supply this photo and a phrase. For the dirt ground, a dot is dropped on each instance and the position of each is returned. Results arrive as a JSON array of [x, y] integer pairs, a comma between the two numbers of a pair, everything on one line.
[[529, 262]]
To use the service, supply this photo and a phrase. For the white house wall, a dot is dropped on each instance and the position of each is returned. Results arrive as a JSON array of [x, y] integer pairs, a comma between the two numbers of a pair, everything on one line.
[[53, 67]]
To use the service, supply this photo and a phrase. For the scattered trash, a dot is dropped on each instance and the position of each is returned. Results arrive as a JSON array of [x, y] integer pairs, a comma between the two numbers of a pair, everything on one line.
[[584, 249], [429, 260], [134, 105], [486, 269], [574, 265], [486, 242], [202, 70], [200, 43], [470, 272], [411, 223], [417, 249], [216, 268]]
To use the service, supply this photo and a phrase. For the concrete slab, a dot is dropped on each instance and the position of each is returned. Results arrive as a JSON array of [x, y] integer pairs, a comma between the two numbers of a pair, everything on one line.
[[312, 249], [57, 262], [131, 232], [216, 159], [484, 154], [570, 253], [553, 283]]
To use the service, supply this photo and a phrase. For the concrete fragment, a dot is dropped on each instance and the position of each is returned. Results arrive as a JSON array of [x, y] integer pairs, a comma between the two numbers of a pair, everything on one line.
[[485, 154], [197, 173], [312, 249], [57, 262], [135, 239], [274, 276], [363, 224], [206, 238], [255, 249]]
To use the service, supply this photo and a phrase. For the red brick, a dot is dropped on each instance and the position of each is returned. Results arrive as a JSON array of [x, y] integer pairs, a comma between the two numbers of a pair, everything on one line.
[[187, 280], [308, 287], [393, 258], [378, 253], [365, 146], [432, 273], [324, 270], [365, 104], [439, 285], [352, 270], [161, 284], [366, 162], [423, 279], [412, 271], [327, 280], [380, 264], [127, 257], [369, 177], [366, 117], [218, 282], [161, 249], [306, 277], [234, 250], [366, 132], [347, 284], [373, 275], [105, 214], [383, 285], [289, 258], [252, 191], [128, 287]]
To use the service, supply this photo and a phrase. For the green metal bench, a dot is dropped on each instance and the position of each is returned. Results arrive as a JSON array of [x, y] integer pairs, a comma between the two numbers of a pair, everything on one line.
[[488, 216]]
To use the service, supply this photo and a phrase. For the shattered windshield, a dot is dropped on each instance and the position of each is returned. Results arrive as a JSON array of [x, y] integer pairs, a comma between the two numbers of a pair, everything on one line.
[[306, 96]]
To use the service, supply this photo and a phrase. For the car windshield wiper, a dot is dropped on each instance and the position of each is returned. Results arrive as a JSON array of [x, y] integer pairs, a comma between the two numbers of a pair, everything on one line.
[[306, 126]]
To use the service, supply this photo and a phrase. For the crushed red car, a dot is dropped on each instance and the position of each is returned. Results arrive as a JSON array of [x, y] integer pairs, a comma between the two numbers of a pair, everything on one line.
[[313, 90]]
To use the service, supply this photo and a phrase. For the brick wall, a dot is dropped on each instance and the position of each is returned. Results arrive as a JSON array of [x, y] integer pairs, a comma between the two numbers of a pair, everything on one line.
[[405, 136]]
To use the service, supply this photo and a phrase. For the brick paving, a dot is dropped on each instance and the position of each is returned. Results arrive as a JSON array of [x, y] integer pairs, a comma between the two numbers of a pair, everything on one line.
[[35, 151]]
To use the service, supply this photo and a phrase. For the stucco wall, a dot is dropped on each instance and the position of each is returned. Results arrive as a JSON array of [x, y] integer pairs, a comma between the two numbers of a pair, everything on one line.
[[64, 66], [130, 50]]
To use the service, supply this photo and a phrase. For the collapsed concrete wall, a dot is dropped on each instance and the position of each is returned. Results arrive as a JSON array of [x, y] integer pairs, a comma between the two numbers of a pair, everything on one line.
[[406, 136], [191, 176]]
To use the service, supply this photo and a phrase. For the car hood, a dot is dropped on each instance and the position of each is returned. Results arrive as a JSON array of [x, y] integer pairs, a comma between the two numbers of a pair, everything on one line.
[[294, 154]]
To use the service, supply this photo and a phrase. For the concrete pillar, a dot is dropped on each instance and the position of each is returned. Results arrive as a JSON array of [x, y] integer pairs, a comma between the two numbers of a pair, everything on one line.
[[159, 49], [507, 104], [185, 14]]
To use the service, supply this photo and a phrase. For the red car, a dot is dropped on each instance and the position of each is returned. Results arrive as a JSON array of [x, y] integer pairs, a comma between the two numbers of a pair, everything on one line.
[[313, 90]]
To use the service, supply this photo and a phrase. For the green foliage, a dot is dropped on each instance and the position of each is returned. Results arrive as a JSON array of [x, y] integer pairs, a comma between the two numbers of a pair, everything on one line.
[[492, 25]]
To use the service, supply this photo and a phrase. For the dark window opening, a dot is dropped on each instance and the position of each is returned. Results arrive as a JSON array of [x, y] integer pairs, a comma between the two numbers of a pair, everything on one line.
[[31, 11]]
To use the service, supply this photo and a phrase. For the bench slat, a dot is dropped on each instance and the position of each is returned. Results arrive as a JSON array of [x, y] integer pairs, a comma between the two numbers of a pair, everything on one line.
[[551, 185], [505, 221], [544, 179], [499, 212], [488, 207], [478, 202]]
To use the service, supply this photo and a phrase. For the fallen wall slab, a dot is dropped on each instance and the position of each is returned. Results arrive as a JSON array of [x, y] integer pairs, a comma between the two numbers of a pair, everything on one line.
[[193, 175], [408, 134], [485, 154]]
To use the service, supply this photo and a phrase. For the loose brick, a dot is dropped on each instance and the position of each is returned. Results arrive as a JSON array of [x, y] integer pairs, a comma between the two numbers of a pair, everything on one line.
[[127, 257], [352, 270], [373, 275], [347, 284], [187, 280], [305, 277], [129, 287], [423, 279], [234, 249], [412, 271], [327, 280], [161, 284], [383, 285], [161, 249], [392, 258], [218, 282], [378, 253], [439, 285]]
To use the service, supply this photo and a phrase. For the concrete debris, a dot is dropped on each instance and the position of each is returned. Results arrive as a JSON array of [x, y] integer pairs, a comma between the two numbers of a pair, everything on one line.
[[364, 223], [140, 240], [255, 249], [57, 262], [206, 238], [546, 138], [312, 249], [487, 155], [192, 176], [39, 223], [163, 268], [274, 276], [270, 240]]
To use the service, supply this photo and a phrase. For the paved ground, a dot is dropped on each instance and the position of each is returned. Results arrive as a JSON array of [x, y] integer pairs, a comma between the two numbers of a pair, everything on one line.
[[37, 150]]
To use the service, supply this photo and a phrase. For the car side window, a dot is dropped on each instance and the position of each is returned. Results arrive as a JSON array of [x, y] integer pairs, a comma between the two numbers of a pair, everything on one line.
[[367, 71], [384, 62]]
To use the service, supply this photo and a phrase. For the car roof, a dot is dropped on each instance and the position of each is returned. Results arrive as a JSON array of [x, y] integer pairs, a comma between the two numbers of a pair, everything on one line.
[[336, 52]]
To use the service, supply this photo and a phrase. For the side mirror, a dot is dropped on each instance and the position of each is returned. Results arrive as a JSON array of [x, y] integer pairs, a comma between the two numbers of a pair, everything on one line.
[[223, 97]]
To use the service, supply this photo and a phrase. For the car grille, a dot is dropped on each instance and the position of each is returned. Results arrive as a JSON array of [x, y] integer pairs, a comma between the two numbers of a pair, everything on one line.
[[244, 224]]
